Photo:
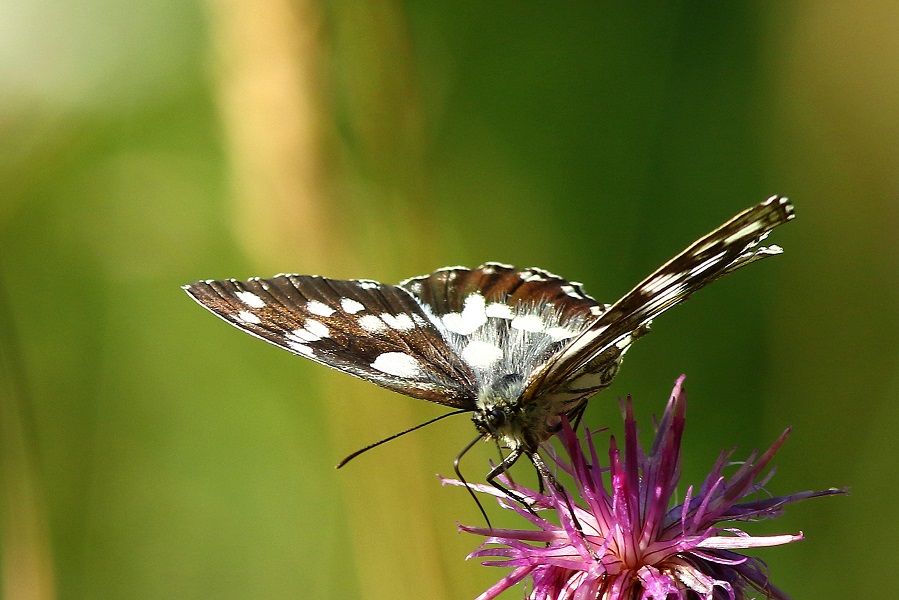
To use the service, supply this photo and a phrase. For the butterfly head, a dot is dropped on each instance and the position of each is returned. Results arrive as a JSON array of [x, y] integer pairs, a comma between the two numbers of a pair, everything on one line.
[[501, 415]]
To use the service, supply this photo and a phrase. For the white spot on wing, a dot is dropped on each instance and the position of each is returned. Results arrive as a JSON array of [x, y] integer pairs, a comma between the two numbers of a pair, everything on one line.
[[350, 306], [412, 286], [368, 284], [400, 322], [500, 310], [404, 322], [527, 323], [300, 348], [481, 354], [706, 264], [560, 333], [248, 317], [319, 308], [316, 328], [250, 299], [473, 315], [301, 335], [656, 284], [529, 275], [570, 291], [397, 363], [372, 324], [747, 231]]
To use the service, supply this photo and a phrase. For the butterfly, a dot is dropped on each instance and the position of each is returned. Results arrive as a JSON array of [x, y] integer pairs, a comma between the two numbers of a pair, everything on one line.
[[520, 349]]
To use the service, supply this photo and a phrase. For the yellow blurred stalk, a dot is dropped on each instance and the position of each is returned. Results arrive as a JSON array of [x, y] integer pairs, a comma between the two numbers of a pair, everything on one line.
[[27, 560], [292, 209]]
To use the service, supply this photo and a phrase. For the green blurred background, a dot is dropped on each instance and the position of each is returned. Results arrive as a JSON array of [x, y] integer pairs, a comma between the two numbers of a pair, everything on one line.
[[150, 451]]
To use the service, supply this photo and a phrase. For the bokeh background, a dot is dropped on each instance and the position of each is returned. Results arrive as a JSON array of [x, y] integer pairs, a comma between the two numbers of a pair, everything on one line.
[[150, 451]]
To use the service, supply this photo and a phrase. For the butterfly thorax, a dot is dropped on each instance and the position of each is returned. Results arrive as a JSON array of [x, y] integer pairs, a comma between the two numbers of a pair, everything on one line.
[[501, 415], [508, 344]]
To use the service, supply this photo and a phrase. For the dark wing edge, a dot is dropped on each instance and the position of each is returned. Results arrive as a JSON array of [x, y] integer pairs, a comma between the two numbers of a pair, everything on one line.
[[348, 329], [726, 249]]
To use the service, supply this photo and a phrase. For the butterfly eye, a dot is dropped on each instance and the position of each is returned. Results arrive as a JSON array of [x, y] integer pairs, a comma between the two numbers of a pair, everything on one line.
[[495, 418]]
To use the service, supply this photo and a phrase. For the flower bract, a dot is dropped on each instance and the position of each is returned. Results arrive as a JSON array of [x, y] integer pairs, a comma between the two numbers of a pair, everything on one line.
[[627, 538]]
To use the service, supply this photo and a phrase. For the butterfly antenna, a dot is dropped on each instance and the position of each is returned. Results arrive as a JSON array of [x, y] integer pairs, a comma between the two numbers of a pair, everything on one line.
[[400, 434], [465, 483]]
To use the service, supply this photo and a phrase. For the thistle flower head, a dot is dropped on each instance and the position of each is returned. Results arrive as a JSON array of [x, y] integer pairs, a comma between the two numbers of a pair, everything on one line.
[[629, 540]]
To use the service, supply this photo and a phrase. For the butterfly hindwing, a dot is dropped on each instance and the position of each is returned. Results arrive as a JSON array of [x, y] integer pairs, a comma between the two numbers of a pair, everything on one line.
[[502, 321], [445, 290], [374, 331]]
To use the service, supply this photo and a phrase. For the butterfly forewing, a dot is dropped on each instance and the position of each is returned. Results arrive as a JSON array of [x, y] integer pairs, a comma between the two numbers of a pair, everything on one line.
[[374, 331], [725, 249]]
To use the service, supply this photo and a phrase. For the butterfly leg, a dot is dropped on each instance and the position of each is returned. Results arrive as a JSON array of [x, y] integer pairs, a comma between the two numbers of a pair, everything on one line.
[[501, 468], [546, 475], [574, 417]]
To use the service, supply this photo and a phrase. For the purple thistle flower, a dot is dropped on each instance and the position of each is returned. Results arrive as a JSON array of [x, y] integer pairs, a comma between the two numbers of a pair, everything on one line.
[[627, 543]]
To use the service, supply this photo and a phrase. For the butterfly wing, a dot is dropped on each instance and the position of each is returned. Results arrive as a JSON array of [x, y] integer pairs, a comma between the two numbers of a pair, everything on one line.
[[589, 359], [446, 290], [374, 331], [504, 323]]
